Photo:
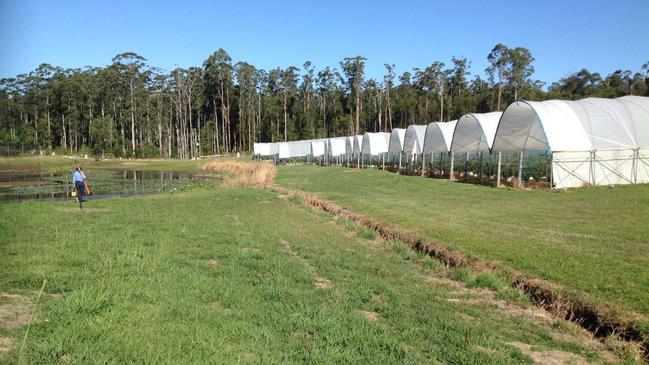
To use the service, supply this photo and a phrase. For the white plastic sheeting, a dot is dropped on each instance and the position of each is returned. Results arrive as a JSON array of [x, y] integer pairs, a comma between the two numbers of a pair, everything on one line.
[[638, 109], [413, 140], [335, 147], [357, 144], [294, 149], [375, 144], [593, 141], [264, 149], [475, 133], [317, 147], [540, 125], [349, 146], [395, 146], [439, 137]]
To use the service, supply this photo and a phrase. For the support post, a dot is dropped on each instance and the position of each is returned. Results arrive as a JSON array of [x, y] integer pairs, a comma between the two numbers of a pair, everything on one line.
[[450, 171], [520, 168], [481, 167], [636, 157], [551, 171], [423, 163], [498, 169], [383, 161], [466, 166], [400, 155], [432, 163]]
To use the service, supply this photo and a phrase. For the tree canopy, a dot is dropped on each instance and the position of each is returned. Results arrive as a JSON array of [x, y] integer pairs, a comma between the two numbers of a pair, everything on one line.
[[130, 108]]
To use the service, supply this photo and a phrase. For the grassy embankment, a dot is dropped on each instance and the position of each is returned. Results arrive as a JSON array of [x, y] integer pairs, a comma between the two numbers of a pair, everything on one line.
[[245, 275], [594, 241]]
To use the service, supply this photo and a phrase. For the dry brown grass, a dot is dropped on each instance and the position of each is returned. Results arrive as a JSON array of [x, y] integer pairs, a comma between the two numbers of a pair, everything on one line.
[[256, 174]]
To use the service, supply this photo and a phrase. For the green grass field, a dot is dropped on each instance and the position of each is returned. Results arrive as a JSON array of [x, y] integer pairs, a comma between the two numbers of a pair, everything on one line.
[[593, 241], [246, 276]]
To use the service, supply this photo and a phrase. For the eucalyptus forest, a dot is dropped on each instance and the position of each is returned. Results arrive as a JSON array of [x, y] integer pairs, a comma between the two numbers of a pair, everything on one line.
[[132, 109]]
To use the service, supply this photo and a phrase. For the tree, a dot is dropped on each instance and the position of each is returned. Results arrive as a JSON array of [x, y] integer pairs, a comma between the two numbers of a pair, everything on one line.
[[218, 81], [497, 70], [519, 68], [131, 109], [288, 88], [247, 80], [388, 80], [131, 68], [354, 70], [576, 86], [326, 82]]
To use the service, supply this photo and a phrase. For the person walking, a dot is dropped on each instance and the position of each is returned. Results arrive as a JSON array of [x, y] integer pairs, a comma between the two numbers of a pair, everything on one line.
[[78, 181], [85, 182]]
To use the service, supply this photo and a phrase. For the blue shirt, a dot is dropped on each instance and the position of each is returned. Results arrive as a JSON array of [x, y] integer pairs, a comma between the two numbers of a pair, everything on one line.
[[77, 177]]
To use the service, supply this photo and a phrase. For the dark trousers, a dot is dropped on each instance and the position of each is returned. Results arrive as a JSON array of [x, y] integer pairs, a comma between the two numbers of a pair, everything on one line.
[[80, 190]]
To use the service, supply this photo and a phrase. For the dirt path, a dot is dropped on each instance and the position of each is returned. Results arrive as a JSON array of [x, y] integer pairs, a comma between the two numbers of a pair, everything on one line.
[[319, 281]]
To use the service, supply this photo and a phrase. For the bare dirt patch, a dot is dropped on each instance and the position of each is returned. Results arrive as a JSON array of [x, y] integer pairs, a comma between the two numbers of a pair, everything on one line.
[[370, 315], [322, 283], [213, 262], [257, 174], [6, 344], [485, 350], [15, 310], [550, 357], [75, 209]]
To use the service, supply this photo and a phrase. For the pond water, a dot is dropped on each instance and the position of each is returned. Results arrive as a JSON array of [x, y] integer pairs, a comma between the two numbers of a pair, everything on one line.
[[35, 185]]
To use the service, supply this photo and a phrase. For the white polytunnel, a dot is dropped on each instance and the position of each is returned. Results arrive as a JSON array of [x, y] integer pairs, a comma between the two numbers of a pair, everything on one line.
[[375, 144], [336, 146], [294, 149], [395, 146], [439, 137], [540, 125], [592, 141], [474, 133], [317, 148], [413, 140], [264, 149]]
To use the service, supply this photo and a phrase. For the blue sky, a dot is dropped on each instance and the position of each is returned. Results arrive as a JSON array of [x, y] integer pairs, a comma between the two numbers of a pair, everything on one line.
[[563, 36]]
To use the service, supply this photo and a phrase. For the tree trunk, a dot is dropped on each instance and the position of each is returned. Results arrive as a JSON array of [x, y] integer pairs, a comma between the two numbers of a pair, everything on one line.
[[132, 120], [499, 95], [358, 113], [285, 122], [216, 127], [64, 142]]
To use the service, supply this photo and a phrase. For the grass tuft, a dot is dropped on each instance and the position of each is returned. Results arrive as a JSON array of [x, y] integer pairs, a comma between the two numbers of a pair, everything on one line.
[[462, 274], [487, 281], [366, 233]]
